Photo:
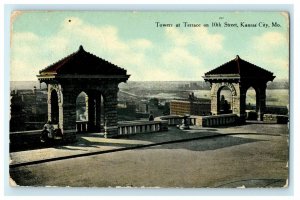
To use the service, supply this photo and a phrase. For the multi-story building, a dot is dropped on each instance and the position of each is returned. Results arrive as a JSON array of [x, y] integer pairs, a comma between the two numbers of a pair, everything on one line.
[[190, 106]]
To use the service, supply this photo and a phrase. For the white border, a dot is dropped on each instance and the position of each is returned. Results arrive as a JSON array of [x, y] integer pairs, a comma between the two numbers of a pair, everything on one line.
[[212, 5]]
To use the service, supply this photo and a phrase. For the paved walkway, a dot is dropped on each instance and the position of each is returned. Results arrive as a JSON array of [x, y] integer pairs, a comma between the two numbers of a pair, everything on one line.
[[253, 155], [92, 143]]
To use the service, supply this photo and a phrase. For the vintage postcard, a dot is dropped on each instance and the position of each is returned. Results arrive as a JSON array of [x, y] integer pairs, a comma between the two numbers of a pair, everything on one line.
[[149, 99]]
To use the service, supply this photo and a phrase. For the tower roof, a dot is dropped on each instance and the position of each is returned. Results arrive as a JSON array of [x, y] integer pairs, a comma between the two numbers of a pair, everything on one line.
[[82, 62], [240, 68]]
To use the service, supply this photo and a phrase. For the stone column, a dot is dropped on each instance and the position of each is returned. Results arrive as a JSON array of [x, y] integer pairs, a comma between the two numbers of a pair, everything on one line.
[[50, 88], [242, 105], [214, 99], [87, 107], [91, 113], [236, 99], [69, 112], [49, 103], [68, 116], [110, 113], [98, 113], [262, 102], [214, 105]]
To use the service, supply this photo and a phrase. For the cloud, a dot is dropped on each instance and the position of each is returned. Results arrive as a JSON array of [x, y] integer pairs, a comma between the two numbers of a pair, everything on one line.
[[36, 52], [196, 36], [181, 62], [175, 54], [211, 42], [269, 41], [180, 56], [143, 59], [282, 62], [177, 37], [23, 69], [271, 51]]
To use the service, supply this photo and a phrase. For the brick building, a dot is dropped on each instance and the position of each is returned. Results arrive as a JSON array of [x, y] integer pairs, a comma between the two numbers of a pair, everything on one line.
[[190, 106]]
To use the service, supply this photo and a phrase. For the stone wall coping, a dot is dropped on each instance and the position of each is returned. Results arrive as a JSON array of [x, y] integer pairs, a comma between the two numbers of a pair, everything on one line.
[[138, 122], [170, 117], [218, 116], [274, 115], [31, 132]]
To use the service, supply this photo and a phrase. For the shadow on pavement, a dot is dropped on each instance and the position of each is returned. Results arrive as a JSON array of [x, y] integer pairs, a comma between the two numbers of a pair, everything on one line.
[[213, 143], [173, 139], [128, 141]]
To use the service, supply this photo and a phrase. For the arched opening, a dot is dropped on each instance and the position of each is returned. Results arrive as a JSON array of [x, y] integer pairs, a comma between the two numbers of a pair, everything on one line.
[[251, 104], [225, 100], [251, 99], [82, 112], [54, 107], [89, 112], [81, 107]]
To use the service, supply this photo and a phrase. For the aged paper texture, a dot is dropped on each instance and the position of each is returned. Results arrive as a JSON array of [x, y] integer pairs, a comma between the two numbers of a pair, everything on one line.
[[149, 99]]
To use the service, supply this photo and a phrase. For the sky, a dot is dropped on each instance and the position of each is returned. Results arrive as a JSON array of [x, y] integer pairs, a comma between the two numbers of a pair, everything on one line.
[[132, 40]]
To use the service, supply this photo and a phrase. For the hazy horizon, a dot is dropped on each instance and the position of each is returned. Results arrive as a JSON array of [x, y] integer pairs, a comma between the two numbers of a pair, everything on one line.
[[275, 80], [20, 85]]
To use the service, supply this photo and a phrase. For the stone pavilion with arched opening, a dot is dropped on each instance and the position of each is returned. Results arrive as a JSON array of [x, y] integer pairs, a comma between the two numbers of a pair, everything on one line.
[[238, 76], [83, 72]]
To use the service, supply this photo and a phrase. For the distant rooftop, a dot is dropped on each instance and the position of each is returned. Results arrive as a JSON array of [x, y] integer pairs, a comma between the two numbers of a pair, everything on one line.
[[196, 100]]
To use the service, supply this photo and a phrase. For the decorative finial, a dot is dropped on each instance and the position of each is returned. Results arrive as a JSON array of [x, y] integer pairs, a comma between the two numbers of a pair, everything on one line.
[[81, 48], [237, 57]]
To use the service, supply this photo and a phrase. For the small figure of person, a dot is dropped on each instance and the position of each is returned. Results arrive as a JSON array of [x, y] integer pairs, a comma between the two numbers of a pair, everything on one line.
[[185, 123], [151, 118], [47, 133]]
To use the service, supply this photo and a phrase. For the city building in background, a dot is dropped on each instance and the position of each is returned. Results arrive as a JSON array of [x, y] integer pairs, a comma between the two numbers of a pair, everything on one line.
[[190, 106], [28, 109]]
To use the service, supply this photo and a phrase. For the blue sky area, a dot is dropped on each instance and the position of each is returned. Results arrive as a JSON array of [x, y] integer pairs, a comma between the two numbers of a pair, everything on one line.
[[133, 41]]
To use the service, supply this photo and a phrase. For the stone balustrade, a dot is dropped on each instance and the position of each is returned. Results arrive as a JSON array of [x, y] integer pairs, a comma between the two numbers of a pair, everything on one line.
[[82, 126], [141, 126], [124, 127], [217, 120], [21, 138], [174, 120]]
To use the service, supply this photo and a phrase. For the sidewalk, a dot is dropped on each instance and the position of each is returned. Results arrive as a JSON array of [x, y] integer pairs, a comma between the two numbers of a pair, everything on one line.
[[93, 143]]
